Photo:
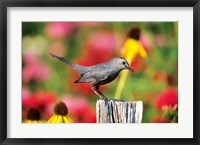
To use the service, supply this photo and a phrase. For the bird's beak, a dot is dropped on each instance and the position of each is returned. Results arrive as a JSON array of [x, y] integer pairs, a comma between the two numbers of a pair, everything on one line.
[[130, 69]]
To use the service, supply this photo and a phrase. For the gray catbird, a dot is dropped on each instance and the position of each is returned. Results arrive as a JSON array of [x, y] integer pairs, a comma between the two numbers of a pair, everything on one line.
[[99, 74]]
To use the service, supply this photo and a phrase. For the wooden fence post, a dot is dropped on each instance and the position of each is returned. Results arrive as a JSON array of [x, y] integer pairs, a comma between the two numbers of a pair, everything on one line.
[[119, 111]]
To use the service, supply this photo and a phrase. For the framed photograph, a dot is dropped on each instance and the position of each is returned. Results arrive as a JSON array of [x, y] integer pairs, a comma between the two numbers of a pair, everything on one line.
[[95, 72]]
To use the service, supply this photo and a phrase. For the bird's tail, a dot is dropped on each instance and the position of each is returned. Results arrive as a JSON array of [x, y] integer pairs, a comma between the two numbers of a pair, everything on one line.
[[80, 69], [62, 59]]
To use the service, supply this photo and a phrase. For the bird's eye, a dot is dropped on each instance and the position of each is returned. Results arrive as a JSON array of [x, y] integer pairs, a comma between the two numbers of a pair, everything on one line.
[[123, 62]]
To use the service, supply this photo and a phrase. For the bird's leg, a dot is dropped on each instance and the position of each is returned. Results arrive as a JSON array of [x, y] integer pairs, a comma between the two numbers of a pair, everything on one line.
[[96, 90]]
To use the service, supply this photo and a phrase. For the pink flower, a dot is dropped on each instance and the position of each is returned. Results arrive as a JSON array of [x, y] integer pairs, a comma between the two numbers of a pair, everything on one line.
[[80, 110], [35, 72], [58, 30], [33, 68], [169, 98], [102, 46], [146, 42], [30, 57], [25, 93]]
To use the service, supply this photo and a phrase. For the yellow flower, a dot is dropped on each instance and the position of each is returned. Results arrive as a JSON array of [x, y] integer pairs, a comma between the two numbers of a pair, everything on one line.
[[131, 48], [33, 121], [60, 114]]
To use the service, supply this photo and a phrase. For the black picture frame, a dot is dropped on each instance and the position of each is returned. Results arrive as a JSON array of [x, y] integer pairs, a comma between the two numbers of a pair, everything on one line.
[[4, 4]]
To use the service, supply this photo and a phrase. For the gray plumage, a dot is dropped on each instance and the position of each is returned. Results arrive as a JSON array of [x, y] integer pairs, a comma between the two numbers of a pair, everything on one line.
[[99, 74]]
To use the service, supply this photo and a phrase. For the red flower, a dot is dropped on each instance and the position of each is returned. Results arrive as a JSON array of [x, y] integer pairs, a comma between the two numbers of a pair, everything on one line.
[[138, 64], [45, 97], [29, 101], [43, 101], [86, 61], [168, 98], [80, 110], [84, 88]]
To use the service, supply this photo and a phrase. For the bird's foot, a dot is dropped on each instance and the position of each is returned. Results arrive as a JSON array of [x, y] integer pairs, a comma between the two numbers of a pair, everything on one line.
[[106, 99], [103, 97]]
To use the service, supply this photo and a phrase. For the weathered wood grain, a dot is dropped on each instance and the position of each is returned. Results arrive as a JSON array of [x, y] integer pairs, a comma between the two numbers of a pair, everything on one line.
[[119, 111]]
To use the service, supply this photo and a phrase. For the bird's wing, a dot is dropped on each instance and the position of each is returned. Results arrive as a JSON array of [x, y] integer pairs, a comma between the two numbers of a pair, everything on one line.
[[100, 73], [95, 75], [80, 69], [85, 79]]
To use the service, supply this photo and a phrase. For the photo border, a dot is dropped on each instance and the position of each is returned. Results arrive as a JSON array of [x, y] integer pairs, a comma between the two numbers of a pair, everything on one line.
[[98, 3]]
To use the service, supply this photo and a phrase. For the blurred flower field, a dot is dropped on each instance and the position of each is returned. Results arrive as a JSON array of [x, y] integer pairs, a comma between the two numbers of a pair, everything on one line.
[[47, 81]]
